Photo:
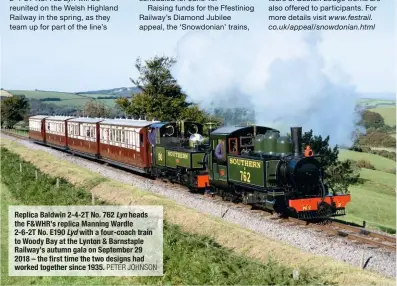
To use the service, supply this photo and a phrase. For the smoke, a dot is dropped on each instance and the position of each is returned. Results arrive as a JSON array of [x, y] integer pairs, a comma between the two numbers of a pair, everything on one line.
[[280, 75]]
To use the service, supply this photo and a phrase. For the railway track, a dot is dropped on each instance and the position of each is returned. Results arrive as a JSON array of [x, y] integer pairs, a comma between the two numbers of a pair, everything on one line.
[[357, 235]]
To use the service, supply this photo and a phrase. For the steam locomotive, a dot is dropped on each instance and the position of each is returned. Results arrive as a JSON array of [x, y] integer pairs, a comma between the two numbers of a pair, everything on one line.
[[249, 164]]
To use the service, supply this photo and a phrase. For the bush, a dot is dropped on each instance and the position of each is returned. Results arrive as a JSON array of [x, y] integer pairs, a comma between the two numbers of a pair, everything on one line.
[[340, 175], [371, 119], [364, 164], [376, 138], [384, 153], [359, 148]]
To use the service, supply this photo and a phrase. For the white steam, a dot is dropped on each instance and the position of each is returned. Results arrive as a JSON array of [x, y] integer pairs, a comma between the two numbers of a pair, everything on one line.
[[281, 76]]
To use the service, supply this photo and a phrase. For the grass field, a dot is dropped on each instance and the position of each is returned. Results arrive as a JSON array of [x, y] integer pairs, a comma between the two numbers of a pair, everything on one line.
[[388, 113], [242, 241], [67, 99], [374, 201], [189, 259], [380, 163]]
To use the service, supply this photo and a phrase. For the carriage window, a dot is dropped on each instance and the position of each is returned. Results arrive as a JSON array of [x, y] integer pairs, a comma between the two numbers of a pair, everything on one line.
[[118, 135], [126, 136], [233, 146]]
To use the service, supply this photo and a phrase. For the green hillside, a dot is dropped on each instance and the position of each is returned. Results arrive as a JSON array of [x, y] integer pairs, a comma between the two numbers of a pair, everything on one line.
[[380, 163], [66, 99], [374, 200], [374, 203], [38, 94]]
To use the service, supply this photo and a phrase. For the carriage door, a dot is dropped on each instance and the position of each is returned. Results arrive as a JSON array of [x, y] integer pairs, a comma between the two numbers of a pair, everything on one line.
[[43, 129]]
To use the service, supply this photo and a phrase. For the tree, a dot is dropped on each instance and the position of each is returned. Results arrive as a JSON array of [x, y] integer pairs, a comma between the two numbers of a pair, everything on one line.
[[338, 175], [371, 119], [160, 96], [235, 116], [194, 113], [96, 109], [13, 110]]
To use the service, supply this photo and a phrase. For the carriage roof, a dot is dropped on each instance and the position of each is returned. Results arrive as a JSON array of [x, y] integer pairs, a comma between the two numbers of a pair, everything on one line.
[[128, 122], [39, 117], [59, 118], [86, 120]]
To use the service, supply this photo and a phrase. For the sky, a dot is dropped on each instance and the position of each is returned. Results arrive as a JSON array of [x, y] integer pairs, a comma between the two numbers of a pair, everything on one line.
[[79, 61]]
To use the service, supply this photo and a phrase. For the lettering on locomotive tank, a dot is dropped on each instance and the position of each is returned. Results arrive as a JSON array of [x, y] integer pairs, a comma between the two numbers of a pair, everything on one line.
[[178, 155], [245, 163]]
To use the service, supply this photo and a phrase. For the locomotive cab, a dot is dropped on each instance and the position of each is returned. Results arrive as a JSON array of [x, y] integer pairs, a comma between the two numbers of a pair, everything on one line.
[[178, 153], [174, 133]]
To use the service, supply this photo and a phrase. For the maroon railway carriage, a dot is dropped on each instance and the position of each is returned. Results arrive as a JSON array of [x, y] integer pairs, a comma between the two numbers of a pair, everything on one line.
[[36, 128], [124, 142], [55, 131], [83, 136]]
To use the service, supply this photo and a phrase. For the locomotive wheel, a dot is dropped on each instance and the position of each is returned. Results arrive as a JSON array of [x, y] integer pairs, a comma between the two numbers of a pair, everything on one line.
[[324, 211]]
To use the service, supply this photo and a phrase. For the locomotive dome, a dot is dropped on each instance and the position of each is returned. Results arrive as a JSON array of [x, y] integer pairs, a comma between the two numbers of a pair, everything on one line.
[[195, 139]]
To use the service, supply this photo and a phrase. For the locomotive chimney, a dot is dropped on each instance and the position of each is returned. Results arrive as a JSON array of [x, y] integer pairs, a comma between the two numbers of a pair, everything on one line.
[[296, 136]]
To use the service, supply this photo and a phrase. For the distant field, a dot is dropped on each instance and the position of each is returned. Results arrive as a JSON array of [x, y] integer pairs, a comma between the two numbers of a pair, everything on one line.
[[367, 102], [44, 94], [380, 163], [388, 113], [67, 99]]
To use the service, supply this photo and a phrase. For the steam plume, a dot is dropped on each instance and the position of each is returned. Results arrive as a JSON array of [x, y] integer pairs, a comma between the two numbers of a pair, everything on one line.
[[281, 76]]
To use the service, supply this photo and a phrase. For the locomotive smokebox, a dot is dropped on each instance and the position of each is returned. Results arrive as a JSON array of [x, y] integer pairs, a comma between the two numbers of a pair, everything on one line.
[[296, 136]]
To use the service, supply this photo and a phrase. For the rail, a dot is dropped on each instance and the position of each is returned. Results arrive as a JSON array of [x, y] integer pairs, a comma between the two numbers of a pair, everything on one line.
[[357, 234]]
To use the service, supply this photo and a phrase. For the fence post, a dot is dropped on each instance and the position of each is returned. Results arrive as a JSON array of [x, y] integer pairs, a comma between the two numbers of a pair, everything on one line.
[[92, 198], [295, 274], [20, 167], [36, 174], [57, 182]]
